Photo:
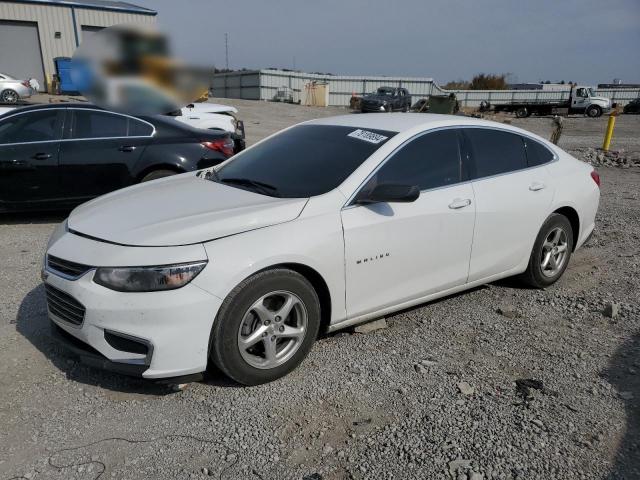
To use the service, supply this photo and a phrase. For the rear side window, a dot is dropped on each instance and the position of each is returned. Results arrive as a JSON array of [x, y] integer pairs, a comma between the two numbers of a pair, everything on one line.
[[495, 152], [429, 161], [537, 154], [139, 129], [93, 124], [39, 126]]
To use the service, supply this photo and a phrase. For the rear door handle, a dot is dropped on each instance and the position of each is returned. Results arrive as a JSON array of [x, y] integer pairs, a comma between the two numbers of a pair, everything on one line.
[[127, 148], [41, 156], [535, 186], [459, 203]]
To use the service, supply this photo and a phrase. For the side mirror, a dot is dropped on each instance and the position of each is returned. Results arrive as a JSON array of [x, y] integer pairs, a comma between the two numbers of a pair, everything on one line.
[[389, 193]]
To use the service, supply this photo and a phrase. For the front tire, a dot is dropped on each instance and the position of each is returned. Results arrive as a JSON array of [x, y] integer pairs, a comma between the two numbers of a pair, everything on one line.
[[594, 111], [551, 252], [265, 327], [9, 96], [522, 112]]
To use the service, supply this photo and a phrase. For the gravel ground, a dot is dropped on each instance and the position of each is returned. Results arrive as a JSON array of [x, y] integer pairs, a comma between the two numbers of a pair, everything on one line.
[[438, 393]]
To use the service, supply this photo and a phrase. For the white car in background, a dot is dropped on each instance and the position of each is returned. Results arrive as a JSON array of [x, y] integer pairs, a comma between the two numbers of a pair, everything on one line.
[[324, 225], [213, 116], [12, 90]]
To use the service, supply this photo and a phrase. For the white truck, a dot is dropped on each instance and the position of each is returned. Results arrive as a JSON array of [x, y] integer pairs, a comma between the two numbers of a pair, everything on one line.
[[581, 100]]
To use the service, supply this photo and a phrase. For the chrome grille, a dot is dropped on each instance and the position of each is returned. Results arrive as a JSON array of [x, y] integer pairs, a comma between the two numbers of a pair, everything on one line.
[[66, 268], [64, 306]]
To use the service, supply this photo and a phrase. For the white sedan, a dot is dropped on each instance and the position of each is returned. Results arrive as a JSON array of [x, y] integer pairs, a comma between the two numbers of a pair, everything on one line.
[[324, 225]]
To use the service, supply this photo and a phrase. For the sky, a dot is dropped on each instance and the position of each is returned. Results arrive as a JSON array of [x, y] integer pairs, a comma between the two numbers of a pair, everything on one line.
[[583, 41]]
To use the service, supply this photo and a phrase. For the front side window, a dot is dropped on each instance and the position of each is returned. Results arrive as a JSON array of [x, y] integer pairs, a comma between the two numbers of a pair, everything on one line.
[[429, 161], [495, 152], [38, 126], [303, 161]]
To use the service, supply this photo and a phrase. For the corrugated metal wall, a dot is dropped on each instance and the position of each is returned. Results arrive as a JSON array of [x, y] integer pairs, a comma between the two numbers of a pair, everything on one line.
[[263, 85], [51, 19]]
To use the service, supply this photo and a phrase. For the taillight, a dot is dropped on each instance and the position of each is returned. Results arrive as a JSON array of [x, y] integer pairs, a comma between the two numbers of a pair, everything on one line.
[[26, 83], [223, 145], [596, 177]]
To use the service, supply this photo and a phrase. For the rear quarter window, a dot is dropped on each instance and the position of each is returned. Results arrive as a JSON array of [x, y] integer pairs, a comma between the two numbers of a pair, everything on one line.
[[537, 154]]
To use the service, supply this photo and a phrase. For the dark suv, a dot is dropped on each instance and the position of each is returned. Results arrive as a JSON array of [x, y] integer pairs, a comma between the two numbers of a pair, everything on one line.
[[632, 107], [60, 155], [387, 99]]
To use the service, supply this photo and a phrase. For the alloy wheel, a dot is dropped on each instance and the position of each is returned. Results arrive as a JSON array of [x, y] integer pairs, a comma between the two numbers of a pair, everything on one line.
[[9, 96], [554, 252], [272, 329]]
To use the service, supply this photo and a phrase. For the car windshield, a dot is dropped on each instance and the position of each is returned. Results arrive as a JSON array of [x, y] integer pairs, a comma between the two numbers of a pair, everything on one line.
[[386, 92], [592, 93], [303, 161]]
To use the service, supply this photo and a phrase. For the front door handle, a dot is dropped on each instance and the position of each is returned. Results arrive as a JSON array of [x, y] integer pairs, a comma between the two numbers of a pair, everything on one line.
[[41, 156], [535, 186], [127, 148], [460, 203]]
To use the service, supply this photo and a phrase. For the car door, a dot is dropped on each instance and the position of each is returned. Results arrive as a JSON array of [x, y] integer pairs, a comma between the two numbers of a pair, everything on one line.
[[100, 151], [580, 99], [396, 252], [29, 146], [512, 200]]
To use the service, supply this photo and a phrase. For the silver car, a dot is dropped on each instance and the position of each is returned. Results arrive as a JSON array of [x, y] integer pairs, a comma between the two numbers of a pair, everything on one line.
[[12, 89]]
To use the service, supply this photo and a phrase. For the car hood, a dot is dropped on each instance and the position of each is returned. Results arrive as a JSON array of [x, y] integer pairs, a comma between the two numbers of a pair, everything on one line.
[[604, 100], [207, 107], [180, 210]]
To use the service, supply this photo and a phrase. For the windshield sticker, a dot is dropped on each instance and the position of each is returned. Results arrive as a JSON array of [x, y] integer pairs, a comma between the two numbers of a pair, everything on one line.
[[368, 136]]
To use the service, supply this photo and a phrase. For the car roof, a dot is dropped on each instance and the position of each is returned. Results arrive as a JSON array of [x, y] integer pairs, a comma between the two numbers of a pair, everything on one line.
[[400, 122]]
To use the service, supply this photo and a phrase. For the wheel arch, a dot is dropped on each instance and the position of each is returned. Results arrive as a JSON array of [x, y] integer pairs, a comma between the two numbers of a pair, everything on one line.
[[574, 219], [317, 282], [157, 166]]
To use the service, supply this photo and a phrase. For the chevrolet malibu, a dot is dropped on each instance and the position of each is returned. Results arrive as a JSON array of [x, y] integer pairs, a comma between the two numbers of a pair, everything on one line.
[[324, 225]]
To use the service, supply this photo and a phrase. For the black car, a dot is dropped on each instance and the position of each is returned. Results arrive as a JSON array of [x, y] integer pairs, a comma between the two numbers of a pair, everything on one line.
[[60, 155], [633, 106], [387, 99]]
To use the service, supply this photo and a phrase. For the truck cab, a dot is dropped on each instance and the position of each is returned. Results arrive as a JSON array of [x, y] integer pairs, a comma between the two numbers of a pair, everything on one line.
[[584, 100]]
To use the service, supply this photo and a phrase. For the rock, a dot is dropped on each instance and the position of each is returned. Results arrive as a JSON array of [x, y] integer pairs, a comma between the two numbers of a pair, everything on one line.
[[419, 368], [508, 311], [327, 449], [458, 464], [428, 362], [205, 470], [538, 423], [611, 310], [371, 326], [465, 388]]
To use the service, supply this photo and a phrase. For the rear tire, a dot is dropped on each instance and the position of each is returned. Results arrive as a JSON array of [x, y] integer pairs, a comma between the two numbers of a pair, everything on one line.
[[522, 112], [551, 252], [265, 327], [156, 174]]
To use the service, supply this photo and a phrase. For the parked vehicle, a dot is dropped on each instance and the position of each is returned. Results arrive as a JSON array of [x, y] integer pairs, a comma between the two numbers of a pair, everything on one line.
[[213, 116], [327, 224], [632, 107], [56, 155], [386, 99], [13, 90], [581, 100]]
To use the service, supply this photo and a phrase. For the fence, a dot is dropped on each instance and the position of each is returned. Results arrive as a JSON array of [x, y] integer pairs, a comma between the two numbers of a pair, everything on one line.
[[263, 85]]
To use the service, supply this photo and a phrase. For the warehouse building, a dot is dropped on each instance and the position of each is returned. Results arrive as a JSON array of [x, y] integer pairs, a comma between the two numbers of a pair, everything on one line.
[[34, 32]]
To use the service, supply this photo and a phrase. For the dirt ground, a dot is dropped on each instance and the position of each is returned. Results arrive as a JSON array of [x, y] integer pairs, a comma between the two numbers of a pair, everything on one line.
[[387, 404]]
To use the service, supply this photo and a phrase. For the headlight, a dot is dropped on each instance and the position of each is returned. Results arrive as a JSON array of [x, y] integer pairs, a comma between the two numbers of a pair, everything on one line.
[[148, 279]]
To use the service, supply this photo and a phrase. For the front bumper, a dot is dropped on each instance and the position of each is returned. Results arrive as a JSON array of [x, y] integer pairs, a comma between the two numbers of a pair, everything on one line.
[[374, 108], [173, 325]]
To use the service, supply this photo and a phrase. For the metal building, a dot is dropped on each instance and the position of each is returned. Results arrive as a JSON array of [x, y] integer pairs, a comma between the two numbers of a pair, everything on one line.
[[34, 32]]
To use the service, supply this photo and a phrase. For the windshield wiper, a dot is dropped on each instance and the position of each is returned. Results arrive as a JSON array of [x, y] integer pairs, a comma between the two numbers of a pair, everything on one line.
[[263, 187]]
